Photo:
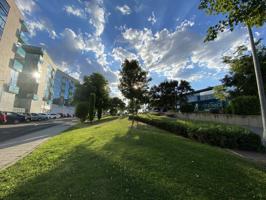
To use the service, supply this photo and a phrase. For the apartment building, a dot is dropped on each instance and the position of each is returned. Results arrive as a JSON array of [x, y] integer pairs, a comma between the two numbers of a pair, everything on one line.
[[64, 89], [12, 37], [36, 81]]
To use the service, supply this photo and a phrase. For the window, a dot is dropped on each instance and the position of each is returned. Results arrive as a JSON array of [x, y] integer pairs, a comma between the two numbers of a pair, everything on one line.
[[4, 9], [14, 78]]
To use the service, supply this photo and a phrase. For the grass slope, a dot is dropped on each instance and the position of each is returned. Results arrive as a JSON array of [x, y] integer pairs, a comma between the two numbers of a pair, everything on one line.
[[108, 161]]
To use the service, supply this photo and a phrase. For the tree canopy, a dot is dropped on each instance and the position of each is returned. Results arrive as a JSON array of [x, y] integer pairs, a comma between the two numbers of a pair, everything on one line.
[[168, 93], [235, 12], [134, 83], [241, 79]]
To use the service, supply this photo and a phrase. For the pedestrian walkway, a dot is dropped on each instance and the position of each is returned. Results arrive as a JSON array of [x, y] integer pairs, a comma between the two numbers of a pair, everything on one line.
[[13, 150], [252, 156]]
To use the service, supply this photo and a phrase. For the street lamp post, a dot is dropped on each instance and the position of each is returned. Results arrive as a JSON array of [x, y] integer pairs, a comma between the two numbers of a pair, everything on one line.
[[260, 85]]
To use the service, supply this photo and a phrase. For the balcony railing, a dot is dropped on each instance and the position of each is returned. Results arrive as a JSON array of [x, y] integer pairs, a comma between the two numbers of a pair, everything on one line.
[[13, 89], [23, 38], [24, 26], [20, 52], [17, 66]]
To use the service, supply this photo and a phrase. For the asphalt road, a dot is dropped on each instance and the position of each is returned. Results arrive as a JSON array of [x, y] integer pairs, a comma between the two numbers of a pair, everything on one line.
[[8, 132]]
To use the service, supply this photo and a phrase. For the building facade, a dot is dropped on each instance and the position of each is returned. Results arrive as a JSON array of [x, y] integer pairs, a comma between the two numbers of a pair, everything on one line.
[[64, 89], [204, 100], [36, 81], [12, 37]]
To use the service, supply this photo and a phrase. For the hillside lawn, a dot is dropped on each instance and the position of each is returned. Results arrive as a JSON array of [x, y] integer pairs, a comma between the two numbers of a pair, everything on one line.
[[110, 161]]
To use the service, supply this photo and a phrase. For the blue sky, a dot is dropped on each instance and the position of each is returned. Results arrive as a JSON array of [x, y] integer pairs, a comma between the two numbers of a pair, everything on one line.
[[166, 36]]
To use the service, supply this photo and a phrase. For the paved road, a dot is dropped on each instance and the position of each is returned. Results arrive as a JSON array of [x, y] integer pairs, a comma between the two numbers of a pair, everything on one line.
[[11, 131], [26, 137]]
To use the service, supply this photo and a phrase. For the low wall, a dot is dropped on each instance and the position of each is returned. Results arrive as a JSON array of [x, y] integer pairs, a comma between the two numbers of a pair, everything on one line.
[[241, 120]]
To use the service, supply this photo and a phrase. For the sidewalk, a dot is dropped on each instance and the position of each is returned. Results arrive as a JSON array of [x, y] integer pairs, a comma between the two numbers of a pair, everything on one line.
[[13, 150]]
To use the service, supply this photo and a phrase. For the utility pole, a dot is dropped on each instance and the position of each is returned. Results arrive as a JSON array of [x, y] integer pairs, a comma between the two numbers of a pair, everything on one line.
[[260, 85]]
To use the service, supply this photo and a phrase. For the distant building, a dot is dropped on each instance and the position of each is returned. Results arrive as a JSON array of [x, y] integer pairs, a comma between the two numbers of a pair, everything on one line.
[[204, 100], [12, 37], [64, 89], [36, 81]]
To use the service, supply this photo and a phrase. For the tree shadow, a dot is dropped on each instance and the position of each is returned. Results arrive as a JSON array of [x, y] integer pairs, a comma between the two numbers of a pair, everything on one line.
[[138, 165]]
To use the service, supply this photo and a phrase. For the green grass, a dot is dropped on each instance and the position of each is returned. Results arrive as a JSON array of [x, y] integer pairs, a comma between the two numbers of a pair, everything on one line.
[[110, 161]]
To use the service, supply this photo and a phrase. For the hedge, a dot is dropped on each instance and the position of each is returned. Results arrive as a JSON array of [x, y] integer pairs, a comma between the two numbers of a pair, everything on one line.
[[225, 136]]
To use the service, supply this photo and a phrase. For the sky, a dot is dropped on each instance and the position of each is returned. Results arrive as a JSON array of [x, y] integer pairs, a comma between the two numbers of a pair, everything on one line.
[[165, 36]]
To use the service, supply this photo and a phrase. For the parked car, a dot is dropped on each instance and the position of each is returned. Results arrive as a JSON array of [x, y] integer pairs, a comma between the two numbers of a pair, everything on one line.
[[27, 116], [35, 117], [14, 118], [54, 116], [43, 116]]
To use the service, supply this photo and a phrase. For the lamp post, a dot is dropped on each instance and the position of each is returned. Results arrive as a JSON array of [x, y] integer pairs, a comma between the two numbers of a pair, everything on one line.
[[260, 85]]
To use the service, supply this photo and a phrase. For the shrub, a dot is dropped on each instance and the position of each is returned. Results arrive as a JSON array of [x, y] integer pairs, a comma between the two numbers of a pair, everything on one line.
[[187, 108], [82, 110], [245, 105], [221, 135]]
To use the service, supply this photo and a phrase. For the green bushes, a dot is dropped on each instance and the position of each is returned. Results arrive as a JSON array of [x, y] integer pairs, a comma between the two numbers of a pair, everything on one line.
[[187, 108], [82, 110], [221, 135], [244, 105]]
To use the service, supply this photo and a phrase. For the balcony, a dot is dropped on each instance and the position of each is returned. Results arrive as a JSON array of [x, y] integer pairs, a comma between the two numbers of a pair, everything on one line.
[[20, 52], [35, 97], [23, 38], [13, 89], [17, 66], [24, 26]]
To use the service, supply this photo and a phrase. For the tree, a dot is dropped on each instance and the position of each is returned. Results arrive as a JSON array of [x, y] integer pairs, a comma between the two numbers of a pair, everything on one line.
[[99, 111], [168, 93], [92, 106], [116, 105], [134, 85], [241, 80], [82, 110], [250, 13]]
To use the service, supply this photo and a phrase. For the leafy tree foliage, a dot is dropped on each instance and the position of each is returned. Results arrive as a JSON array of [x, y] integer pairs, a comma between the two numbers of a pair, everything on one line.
[[116, 105], [92, 106], [97, 84], [235, 12], [241, 80], [134, 84], [168, 93], [82, 110]]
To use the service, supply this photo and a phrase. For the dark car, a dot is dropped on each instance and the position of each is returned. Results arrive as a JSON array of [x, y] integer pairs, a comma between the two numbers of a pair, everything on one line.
[[14, 118]]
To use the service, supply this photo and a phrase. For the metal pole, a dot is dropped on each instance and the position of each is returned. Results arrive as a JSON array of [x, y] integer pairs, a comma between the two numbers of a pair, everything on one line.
[[260, 85]]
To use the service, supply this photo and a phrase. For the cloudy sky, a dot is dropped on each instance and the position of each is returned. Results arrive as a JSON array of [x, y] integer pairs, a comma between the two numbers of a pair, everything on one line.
[[166, 36]]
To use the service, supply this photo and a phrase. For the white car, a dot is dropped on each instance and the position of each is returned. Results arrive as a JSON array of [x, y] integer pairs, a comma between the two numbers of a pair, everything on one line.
[[54, 116]]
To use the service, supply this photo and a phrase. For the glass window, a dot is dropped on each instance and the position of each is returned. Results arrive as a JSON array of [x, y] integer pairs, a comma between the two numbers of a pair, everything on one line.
[[4, 9], [14, 78]]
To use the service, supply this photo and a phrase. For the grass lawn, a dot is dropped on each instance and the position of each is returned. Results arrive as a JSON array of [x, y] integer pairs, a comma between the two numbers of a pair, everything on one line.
[[110, 162]]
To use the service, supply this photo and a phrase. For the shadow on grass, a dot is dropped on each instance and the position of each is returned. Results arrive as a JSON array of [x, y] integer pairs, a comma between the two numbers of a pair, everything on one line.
[[88, 124], [143, 164]]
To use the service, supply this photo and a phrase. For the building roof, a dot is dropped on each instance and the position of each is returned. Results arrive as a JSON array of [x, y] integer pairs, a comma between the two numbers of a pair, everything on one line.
[[199, 91], [33, 49]]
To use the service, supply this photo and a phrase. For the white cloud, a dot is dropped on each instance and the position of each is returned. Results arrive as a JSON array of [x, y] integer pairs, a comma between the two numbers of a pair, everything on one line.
[[97, 15], [125, 9], [71, 10], [120, 54], [35, 25], [174, 53], [152, 18], [26, 6]]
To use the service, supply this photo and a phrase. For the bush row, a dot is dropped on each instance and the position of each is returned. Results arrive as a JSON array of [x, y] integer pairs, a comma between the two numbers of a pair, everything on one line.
[[221, 135]]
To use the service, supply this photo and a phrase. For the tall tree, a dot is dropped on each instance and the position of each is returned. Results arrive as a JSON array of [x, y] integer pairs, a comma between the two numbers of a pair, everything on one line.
[[249, 13], [92, 106], [97, 84], [134, 85]]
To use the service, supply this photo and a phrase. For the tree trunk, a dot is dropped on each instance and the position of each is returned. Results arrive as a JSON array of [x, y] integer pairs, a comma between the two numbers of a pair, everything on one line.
[[260, 85]]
